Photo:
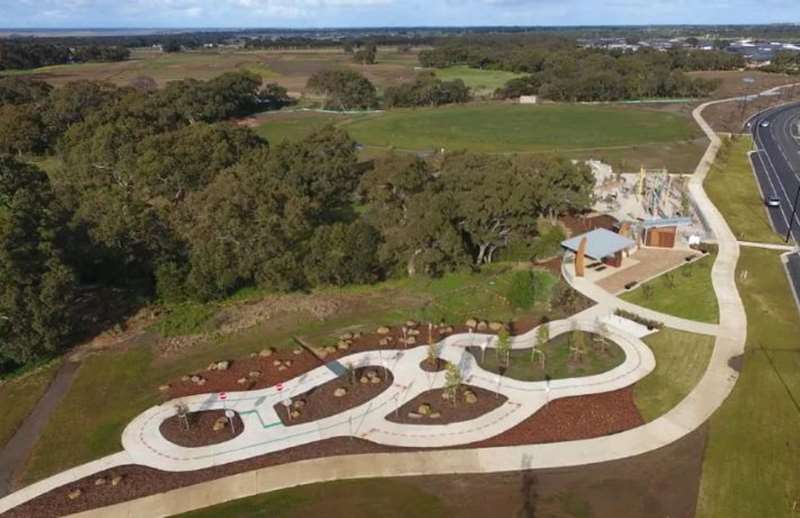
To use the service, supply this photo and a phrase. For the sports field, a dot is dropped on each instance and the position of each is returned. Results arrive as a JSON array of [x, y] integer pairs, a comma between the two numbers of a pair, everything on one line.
[[494, 127], [480, 81]]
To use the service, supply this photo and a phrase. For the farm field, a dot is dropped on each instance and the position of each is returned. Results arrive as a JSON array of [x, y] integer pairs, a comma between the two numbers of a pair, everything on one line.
[[290, 68], [752, 454]]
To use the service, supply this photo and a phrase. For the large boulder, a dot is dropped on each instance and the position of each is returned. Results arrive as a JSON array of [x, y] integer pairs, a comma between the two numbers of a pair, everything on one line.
[[74, 494], [471, 322], [496, 326], [340, 392], [470, 397], [411, 323], [266, 353], [383, 330], [424, 409], [482, 326], [220, 423]]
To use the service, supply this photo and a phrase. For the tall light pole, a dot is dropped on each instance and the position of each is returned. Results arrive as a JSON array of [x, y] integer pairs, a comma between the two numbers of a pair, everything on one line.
[[794, 211]]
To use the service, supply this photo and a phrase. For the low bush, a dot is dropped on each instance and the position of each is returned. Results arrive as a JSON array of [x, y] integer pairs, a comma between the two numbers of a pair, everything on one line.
[[650, 324]]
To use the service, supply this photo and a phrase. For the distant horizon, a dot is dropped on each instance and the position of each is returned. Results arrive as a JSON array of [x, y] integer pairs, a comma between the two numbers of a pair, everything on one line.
[[31, 15]]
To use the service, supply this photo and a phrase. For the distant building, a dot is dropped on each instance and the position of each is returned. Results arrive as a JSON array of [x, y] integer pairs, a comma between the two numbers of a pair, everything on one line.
[[528, 99]]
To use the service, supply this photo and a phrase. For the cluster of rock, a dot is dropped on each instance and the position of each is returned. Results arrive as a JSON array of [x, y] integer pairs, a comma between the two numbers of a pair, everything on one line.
[[425, 410], [282, 365], [469, 396], [370, 377], [220, 423], [296, 408], [251, 376], [483, 325], [195, 379], [344, 343], [113, 481], [219, 366]]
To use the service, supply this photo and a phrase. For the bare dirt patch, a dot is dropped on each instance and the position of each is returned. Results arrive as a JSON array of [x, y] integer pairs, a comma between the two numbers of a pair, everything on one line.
[[321, 402], [201, 429], [731, 117], [432, 408]]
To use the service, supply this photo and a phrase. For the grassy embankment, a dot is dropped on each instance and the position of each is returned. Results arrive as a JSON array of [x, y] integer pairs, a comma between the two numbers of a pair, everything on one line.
[[732, 188]]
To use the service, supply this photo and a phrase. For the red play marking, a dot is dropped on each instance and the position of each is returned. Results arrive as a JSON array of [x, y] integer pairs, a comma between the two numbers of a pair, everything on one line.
[[223, 396], [279, 386]]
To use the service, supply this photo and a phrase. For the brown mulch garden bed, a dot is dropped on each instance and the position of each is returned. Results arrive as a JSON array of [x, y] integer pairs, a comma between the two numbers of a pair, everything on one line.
[[201, 429], [574, 418], [321, 402], [431, 407], [578, 224], [436, 366]]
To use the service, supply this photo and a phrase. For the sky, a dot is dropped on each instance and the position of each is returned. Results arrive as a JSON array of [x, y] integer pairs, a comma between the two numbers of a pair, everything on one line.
[[372, 13]]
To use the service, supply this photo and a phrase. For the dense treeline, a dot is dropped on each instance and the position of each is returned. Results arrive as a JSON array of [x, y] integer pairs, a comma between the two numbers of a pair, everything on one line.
[[154, 191], [426, 90], [344, 90], [15, 55], [34, 116], [559, 70], [785, 63]]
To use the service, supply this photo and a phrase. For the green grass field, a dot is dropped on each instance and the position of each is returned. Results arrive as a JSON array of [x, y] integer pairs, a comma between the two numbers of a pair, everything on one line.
[[19, 395], [732, 187], [352, 498], [753, 452], [494, 127], [686, 292], [480, 81], [112, 387], [681, 360], [557, 360]]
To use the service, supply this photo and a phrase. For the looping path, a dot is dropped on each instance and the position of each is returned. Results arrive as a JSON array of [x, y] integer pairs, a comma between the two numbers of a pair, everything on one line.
[[694, 410], [265, 433]]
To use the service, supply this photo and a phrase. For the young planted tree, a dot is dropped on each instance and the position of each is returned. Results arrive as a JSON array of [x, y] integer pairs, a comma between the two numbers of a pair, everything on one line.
[[542, 337], [452, 382], [577, 346], [504, 346]]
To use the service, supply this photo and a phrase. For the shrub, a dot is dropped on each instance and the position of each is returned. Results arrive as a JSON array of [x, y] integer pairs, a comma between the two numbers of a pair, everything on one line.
[[529, 287]]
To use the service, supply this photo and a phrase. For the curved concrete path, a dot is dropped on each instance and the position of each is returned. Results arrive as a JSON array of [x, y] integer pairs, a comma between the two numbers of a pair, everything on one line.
[[690, 413]]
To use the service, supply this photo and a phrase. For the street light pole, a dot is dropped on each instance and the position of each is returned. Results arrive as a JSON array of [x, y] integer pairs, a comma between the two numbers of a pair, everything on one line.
[[794, 211]]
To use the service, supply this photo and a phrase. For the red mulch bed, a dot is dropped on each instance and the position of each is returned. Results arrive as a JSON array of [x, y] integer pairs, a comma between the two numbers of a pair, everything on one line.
[[201, 431], [227, 380], [319, 402], [437, 366], [448, 413], [574, 418]]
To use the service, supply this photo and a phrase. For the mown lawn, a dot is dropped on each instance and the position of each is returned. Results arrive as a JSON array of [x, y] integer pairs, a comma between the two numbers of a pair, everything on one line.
[[686, 292], [558, 361], [681, 360], [480, 81], [112, 387], [731, 186], [20, 394], [753, 452], [352, 498], [495, 127]]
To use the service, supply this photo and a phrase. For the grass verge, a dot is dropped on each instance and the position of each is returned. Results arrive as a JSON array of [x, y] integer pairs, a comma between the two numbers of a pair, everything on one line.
[[681, 360], [753, 451], [686, 292], [732, 188]]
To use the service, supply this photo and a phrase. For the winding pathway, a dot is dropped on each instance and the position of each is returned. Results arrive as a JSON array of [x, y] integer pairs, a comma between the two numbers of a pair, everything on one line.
[[715, 385]]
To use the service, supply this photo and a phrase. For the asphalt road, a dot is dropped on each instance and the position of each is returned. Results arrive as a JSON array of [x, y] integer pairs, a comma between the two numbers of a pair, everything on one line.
[[776, 163]]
